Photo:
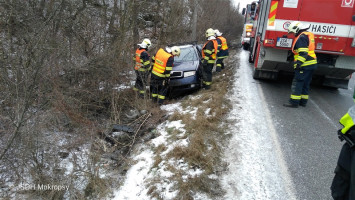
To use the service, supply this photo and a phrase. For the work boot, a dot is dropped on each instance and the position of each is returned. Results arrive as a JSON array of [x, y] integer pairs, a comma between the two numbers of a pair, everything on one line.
[[303, 104], [290, 105], [207, 87], [141, 96]]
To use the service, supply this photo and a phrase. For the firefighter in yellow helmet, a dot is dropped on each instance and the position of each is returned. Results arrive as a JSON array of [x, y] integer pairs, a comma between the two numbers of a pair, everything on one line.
[[222, 51], [305, 62], [209, 55], [160, 76], [142, 67], [343, 185]]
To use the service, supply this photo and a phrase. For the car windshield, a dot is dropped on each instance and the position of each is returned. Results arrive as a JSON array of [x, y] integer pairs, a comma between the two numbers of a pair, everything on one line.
[[187, 54]]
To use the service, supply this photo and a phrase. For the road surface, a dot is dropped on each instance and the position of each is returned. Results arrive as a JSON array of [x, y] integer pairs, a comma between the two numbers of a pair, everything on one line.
[[278, 152]]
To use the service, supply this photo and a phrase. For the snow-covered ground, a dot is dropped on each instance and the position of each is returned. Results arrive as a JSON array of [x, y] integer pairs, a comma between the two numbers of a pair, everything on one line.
[[256, 166], [139, 175]]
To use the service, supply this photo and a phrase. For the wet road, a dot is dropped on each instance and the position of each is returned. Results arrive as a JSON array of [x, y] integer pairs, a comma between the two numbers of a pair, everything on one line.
[[306, 136]]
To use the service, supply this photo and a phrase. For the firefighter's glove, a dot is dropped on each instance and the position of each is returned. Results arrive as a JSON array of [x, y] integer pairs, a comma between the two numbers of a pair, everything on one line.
[[297, 66], [204, 62], [348, 137]]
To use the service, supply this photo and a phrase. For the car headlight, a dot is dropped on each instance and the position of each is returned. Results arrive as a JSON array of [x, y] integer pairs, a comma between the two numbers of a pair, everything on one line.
[[189, 73]]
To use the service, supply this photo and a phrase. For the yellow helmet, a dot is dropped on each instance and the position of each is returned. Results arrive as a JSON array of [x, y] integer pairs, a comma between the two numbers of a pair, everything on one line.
[[175, 51], [145, 43], [217, 32], [209, 32], [294, 27]]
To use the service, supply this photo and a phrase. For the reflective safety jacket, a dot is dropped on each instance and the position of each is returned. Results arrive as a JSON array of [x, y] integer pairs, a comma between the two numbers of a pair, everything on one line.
[[224, 45], [162, 64], [209, 51], [303, 48], [343, 186], [142, 60], [348, 120], [222, 51]]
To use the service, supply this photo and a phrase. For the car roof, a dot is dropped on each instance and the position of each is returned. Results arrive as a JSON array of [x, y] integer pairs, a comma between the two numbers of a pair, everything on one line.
[[185, 46]]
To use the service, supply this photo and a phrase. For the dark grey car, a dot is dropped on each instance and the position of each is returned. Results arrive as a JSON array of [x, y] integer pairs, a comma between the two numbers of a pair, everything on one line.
[[186, 73]]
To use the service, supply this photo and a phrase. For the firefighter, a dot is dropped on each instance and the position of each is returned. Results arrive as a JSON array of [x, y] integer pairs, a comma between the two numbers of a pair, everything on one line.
[[209, 55], [305, 62], [343, 185], [160, 76], [222, 51], [142, 67]]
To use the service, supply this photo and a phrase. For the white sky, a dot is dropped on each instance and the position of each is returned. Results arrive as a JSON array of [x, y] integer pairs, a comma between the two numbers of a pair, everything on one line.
[[243, 3]]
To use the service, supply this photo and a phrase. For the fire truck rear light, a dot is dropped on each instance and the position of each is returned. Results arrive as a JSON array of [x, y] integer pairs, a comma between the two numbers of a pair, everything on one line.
[[269, 41]]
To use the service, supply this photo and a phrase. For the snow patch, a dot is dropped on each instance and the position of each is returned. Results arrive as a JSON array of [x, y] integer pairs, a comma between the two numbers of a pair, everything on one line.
[[142, 173], [255, 170], [134, 185]]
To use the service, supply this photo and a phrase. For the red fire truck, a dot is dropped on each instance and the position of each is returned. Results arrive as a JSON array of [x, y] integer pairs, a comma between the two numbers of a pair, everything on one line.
[[249, 16], [332, 23]]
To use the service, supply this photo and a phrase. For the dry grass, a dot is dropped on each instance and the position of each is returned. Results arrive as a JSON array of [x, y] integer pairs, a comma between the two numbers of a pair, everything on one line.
[[206, 138], [158, 159]]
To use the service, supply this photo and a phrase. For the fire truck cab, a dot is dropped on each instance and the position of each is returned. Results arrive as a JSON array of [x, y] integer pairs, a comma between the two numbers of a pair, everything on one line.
[[334, 29]]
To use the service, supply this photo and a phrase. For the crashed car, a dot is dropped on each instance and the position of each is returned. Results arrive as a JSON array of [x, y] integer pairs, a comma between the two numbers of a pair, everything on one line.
[[186, 73]]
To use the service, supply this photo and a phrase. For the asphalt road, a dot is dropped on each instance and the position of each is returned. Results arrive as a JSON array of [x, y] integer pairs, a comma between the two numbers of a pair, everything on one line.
[[307, 136]]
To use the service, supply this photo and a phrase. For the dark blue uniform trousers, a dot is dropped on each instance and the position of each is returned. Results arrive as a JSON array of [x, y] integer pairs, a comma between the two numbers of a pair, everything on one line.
[[300, 85]]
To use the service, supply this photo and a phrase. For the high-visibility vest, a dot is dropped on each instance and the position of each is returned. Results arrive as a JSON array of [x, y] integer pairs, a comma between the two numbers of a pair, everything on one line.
[[161, 59], [214, 52], [139, 62], [348, 120], [224, 45], [311, 48]]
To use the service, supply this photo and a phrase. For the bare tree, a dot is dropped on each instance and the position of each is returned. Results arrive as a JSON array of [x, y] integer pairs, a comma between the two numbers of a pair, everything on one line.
[[60, 62]]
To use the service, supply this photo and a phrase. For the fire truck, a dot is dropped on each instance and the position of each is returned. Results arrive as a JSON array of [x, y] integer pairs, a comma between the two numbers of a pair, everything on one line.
[[246, 35], [331, 21], [249, 16]]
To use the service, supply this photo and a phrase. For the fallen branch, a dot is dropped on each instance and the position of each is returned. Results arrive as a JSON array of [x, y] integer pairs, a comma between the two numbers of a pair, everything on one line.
[[135, 134]]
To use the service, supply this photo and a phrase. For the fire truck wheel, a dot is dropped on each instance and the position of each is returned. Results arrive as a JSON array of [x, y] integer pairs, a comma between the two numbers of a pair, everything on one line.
[[255, 74]]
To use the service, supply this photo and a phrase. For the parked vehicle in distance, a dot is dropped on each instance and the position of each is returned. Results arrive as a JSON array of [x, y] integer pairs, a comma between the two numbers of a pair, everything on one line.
[[247, 31], [249, 16], [186, 74]]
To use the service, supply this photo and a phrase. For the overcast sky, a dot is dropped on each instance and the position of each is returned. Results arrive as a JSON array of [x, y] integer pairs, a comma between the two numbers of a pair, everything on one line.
[[243, 3]]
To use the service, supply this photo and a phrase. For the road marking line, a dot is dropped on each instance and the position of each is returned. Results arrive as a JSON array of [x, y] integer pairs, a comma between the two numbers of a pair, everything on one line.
[[324, 115]]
